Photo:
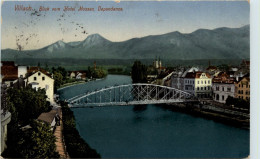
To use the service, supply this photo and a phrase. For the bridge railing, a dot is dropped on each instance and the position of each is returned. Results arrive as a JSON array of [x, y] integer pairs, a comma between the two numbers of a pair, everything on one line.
[[132, 93]]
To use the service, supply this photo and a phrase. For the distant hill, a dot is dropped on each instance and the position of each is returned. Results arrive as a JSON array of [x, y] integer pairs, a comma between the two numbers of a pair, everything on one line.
[[220, 43]]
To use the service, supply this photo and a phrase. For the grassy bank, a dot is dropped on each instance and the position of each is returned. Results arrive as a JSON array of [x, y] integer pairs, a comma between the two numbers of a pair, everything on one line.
[[75, 145], [71, 84]]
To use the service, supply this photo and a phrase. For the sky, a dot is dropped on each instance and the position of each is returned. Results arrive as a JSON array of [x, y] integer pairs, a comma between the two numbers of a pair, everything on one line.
[[33, 30]]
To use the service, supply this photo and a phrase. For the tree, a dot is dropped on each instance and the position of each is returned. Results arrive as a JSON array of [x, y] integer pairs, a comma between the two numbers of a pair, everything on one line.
[[38, 142], [58, 80], [239, 103], [139, 73], [27, 103], [63, 72]]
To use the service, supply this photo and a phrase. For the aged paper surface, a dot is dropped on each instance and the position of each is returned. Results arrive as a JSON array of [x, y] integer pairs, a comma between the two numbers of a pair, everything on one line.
[[182, 68]]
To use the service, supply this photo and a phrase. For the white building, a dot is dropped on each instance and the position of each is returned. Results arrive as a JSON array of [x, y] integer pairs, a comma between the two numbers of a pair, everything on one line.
[[221, 91], [223, 86], [40, 80], [198, 84], [22, 70]]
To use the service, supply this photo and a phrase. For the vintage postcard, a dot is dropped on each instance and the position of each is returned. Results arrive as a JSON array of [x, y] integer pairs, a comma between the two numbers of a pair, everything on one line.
[[125, 79]]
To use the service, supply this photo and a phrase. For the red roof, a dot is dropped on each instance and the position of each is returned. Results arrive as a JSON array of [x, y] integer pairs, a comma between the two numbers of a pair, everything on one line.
[[9, 71], [195, 75], [32, 70], [223, 77]]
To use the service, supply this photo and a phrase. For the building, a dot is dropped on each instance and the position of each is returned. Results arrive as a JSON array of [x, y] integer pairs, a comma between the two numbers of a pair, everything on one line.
[[72, 74], [198, 84], [79, 75], [39, 78], [157, 63], [9, 72], [5, 117], [52, 118], [22, 70], [242, 88], [245, 64], [177, 80], [223, 86], [203, 84]]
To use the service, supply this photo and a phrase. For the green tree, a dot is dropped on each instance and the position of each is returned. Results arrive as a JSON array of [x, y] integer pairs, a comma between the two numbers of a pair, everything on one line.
[[63, 72], [239, 103], [58, 80], [139, 72], [27, 103], [38, 142]]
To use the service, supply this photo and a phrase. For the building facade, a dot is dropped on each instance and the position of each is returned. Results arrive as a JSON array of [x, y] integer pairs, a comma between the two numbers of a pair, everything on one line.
[[198, 84], [223, 86], [203, 85], [243, 88], [221, 91], [40, 80]]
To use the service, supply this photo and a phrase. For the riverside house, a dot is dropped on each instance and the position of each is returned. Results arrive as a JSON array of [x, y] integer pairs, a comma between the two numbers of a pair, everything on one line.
[[199, 84], [223, 86], [39, 78], [243, 88]]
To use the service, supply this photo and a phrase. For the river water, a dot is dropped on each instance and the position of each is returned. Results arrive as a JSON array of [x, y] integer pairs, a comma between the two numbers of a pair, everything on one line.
[[151, 131]]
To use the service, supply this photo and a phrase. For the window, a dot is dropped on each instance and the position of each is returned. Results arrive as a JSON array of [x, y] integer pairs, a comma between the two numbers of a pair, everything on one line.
[[43, 78], [217, 88], [198, 88], [229, 89], [198, 82], [205, 88], [39, 73], [205, 82], [193, 82], [239, 85], [35, 78], [208, 87], [201, 88], [223, 88], [46, 87], [208, 81], [223, 98]]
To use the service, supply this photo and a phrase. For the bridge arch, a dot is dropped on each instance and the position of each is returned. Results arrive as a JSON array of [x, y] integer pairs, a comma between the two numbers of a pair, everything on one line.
[[131, 94]]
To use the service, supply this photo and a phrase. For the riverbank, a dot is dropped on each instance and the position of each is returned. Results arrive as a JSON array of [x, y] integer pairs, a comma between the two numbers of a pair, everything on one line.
[[58, 133], [70, 84], [226, 117], [75, 145], [67, 85]]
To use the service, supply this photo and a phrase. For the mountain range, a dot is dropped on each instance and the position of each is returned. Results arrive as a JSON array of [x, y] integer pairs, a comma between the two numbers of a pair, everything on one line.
[[220, 43]]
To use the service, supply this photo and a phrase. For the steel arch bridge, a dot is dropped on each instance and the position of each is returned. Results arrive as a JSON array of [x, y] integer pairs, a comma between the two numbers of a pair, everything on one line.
[[131, 94]]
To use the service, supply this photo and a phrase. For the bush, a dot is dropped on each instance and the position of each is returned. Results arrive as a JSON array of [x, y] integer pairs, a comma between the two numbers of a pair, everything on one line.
[[237, 102]]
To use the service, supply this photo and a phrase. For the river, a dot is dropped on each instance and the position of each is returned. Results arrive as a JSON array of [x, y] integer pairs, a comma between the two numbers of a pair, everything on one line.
[[151, 131]]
